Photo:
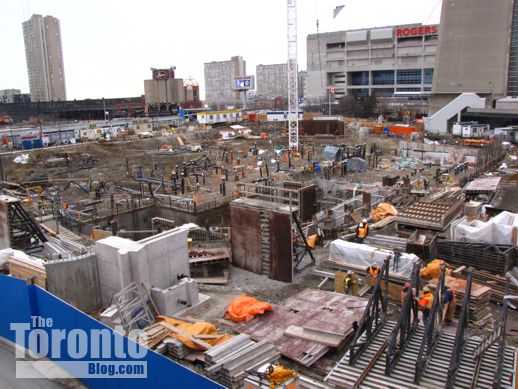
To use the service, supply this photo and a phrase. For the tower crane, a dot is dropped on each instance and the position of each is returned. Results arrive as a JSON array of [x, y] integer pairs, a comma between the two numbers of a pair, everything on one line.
[[293, 95]]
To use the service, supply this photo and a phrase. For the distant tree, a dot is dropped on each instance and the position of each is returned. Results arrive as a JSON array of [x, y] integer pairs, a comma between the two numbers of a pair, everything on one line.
[[348, 105]]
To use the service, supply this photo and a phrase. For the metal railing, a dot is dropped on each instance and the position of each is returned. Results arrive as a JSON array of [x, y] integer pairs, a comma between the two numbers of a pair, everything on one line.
[[460, 334], [374, 316], [432, 329], [406, 325], [497, 380]]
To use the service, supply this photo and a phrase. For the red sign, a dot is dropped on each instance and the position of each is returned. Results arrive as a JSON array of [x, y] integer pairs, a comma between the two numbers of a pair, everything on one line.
[[332, 90], [402, 32]]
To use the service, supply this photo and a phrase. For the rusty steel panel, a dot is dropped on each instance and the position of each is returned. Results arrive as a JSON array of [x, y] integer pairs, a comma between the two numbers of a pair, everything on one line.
[[281, 257], [313, 309], [245, 231], [308, 202]]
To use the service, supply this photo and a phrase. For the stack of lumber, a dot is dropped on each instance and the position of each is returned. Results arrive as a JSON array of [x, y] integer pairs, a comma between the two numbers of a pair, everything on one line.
[[25, 267], [229, 362], [479, 311], [152, 336], [176, 349], [493, 281]]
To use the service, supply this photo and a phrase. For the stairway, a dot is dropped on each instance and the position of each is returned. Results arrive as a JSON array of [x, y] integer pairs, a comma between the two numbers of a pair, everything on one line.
[[435, 375]]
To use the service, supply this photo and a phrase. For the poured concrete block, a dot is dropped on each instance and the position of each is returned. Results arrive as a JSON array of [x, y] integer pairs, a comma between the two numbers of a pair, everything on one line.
[[176, 298], [155, 261]]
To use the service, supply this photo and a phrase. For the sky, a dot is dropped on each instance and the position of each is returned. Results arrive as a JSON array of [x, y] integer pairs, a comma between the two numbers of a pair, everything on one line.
[[109, 46]]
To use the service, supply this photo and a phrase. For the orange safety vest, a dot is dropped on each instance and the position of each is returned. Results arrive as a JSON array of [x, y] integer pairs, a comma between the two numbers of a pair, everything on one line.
[[374, 272], [426, 301], [347, 282], [362, 231]]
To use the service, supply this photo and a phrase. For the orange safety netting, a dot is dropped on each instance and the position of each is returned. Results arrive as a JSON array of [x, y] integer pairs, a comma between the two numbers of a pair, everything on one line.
[[198, 328], [244, 308]]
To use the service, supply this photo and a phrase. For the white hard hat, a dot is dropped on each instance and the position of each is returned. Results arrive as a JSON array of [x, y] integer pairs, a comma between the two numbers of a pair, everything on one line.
[[364, 221], [350, 272]]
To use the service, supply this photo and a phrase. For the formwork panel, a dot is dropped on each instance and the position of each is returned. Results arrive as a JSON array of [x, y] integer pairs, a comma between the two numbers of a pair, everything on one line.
[[246, 238], [281, 262]]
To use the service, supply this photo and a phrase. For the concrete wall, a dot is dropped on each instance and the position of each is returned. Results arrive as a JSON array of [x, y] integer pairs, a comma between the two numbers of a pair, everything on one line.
[[75, 282], [472, 55], [154, 261], [439, 154]]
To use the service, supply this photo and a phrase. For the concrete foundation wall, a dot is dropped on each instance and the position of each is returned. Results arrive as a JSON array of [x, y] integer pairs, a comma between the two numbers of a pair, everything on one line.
[[75, 282], [154, 261]]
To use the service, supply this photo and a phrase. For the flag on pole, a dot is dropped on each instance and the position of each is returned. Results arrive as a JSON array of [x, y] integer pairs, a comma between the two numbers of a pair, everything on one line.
[[337, 10]]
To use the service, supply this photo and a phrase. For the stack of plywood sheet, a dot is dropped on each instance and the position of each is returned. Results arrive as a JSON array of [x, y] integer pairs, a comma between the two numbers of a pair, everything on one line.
[[306, 326], [25, 267], [479, 312], [229, 362]]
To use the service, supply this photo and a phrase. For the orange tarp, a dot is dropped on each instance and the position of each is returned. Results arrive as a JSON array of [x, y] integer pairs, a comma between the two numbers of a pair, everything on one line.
[[432, 270], [244, 308], [198, 328], [383, 210]]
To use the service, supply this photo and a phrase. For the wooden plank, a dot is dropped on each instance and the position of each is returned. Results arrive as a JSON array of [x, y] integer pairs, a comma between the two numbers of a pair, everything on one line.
[[212, 280], [314, 336], [178, 331]]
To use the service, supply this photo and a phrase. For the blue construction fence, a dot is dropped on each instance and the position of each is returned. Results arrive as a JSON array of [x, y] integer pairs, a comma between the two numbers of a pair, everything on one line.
[[20, 303]]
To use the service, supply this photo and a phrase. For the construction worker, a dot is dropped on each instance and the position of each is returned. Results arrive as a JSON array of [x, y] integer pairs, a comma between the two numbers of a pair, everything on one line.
[[348, 283], [450, 298], [354, 283], [362, 230], [425, 302], [373, 270]]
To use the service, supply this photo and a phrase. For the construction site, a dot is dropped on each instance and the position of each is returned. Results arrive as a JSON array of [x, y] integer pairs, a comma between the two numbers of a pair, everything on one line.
[[229, 254], [260, 249]]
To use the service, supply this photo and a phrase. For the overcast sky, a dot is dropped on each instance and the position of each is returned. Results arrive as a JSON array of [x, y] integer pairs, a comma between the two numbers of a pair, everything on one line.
[[109, 46]]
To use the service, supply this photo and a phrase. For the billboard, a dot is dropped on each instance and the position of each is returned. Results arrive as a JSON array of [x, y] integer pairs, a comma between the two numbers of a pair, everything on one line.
[[244, 83], [163, 74]]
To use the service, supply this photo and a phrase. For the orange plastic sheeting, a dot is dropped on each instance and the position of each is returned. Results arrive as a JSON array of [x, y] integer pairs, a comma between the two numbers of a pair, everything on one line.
[[244, 308], [432, 270], [312, 240], [383, 210], [198, 328]]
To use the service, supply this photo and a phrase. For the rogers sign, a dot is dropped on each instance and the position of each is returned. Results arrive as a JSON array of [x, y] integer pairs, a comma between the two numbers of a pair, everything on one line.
[[402, 32]]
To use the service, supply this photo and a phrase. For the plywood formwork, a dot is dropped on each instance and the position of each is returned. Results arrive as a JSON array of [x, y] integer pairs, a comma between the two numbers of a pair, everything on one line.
[[261, 235], [306, 326]]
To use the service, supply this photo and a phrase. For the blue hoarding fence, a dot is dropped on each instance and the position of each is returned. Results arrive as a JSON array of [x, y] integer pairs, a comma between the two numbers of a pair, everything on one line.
[[48, 327]]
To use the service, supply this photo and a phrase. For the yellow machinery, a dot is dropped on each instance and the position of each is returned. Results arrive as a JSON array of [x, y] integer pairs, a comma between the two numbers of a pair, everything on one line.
[[39, 190], [271, 376]]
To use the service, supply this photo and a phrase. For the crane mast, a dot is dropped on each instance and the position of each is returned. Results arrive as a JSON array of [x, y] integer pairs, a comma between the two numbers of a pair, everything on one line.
[[293, 108]]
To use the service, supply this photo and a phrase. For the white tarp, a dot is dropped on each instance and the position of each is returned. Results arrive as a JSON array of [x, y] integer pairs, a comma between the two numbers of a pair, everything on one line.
[[364, 255], [498, 230]]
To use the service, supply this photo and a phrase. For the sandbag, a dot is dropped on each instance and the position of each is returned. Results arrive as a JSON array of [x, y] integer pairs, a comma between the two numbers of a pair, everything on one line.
[[245, 308]]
